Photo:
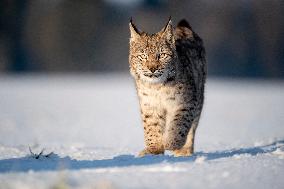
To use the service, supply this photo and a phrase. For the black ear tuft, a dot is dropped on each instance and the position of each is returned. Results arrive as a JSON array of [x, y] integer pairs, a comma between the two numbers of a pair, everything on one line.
[[132, 26], [134, 32], [184, 23], [169, 22]]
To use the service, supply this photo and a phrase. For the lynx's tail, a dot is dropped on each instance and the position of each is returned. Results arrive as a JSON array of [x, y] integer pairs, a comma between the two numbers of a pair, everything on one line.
[[183, 30], [184, 23]]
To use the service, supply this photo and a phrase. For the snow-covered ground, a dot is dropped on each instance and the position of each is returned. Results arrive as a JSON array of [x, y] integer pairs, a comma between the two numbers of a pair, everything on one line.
[[91, 124]]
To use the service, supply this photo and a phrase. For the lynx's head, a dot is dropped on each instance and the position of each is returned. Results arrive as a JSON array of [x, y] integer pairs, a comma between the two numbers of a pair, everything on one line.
[[152, 56]]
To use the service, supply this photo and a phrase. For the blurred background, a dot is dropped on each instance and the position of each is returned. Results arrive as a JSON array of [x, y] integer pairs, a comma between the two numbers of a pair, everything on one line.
[[242, 38]]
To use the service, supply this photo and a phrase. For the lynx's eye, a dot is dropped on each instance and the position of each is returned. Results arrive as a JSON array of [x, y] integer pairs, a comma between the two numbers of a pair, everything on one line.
[[142, 57], [164, 56]]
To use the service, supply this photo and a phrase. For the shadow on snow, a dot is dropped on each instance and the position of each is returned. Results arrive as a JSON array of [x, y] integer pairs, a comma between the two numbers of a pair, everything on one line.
[[56, 163]]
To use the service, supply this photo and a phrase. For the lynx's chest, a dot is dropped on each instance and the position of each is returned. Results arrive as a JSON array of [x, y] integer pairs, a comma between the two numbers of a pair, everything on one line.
[[159, 95]]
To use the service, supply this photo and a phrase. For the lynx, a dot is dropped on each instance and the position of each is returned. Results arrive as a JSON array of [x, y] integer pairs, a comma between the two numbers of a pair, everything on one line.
[[169, 69]]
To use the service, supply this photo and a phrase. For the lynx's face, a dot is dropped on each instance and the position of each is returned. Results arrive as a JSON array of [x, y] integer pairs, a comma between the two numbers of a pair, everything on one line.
[[152, 57]]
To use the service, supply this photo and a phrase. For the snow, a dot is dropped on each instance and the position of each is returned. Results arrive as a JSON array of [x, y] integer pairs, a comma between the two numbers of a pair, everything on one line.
[[91, 124]]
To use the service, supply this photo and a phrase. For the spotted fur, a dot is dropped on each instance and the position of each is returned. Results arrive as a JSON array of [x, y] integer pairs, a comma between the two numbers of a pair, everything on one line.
[[169, 68]]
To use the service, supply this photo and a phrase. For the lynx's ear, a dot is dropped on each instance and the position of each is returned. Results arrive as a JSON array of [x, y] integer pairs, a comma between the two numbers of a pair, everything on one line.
[[134, 32], [167, 32]]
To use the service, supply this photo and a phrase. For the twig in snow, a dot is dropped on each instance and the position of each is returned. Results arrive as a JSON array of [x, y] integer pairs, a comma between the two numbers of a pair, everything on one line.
[[37, 156]]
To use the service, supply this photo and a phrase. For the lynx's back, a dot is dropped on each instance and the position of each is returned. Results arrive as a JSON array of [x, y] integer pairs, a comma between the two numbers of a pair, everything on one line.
[[169, 68], [191, 55]]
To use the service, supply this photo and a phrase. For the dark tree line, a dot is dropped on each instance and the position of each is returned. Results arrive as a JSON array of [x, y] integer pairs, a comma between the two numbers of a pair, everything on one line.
[[242, 38]]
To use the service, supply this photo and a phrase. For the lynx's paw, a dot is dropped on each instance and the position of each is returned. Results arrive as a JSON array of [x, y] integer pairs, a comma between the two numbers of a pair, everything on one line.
[[150, 151], [183, 152]]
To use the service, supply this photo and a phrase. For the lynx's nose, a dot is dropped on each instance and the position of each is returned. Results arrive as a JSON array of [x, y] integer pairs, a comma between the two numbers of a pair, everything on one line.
[[152, 69]]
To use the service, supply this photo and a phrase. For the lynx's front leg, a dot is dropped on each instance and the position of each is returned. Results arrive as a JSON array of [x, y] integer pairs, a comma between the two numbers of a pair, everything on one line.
[[179, 123], [153, 124]]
